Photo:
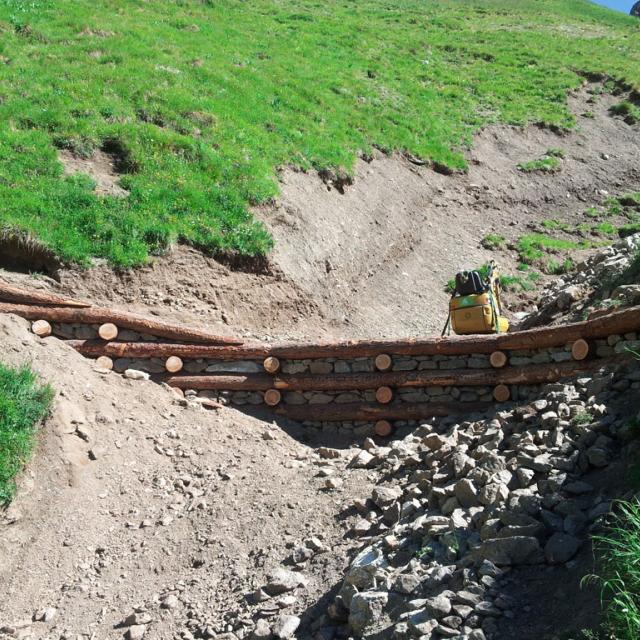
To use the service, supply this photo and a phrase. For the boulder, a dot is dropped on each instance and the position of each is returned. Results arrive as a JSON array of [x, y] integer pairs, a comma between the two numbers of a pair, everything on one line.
[[366, 609], [510, 551], [560, 548]]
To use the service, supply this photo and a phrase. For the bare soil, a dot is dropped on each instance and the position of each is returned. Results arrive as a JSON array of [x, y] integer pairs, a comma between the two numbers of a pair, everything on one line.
[[100, 166]]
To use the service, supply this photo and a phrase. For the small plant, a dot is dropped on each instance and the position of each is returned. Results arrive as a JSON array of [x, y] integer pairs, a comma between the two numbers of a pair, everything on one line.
[[581, 419], [546, 164], [555, 152], [493, 241], [588, 114], [556, 268], [532, 247], [593, 212], [23, 403], [556, 225], [627, 110]]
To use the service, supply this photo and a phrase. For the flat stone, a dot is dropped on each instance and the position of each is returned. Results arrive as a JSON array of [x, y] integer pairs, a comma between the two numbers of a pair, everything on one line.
[[282, 580], [285, 626], [510, 551], [560, 548]]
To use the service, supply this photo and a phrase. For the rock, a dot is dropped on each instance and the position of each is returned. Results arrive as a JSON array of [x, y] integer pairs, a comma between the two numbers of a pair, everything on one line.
[[438, 606], [366, 609], [45, 615], [466, 493], [406, 583], [510, 551], [598, 456], [361, 527], [333, 483], [283, 580], [170, 602], [560, 548], [328, 454], [262, 630], [134, 374], [384, 496], [285, 626], [525, 477], [136, 632], [361, 460], [567, 297]]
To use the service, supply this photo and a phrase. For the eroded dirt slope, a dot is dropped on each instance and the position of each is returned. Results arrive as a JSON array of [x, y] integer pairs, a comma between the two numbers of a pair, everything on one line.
[[133, 497]]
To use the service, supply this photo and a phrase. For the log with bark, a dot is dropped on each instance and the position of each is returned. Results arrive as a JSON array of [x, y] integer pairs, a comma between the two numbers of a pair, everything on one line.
[[529, 374], [373, 412], [95, 315], [10, 293], [620, 322]]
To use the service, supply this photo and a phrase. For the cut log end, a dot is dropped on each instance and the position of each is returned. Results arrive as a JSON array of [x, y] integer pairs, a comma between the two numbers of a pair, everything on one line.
[[271, 364], [383, 362], [41, 328], [498, 359], [108, 331], [104, 362], [580, 349], [384, 395], [173, 364], [272, 397], [501, 393], [383, 428]]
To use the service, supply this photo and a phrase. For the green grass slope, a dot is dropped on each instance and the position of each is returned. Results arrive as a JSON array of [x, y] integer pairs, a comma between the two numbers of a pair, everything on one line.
[[202, 100]]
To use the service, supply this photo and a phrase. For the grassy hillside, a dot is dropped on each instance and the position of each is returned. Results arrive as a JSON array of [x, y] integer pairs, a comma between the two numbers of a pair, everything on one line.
[[202, 100]]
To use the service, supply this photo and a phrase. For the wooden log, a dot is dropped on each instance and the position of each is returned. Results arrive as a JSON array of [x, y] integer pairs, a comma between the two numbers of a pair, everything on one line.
[[271, 364], [382, 428], [108, 331], [41, 328], [384, 395], [529, 374], [498, 359], [383, 362], [619, 322], [580, 349], [104, 362], [141, 324], [10, 293], [173, 364], [374, 412], [501, 393], [272, 397]]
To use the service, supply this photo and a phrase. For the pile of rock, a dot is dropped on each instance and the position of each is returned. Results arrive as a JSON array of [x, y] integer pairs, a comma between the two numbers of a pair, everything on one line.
[[468, 502], [593, 279]]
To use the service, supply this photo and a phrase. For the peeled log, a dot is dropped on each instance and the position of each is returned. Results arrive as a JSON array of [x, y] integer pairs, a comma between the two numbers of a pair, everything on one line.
[[498, 359], [41, 328], [580, 349], [108, 331], [271, 364], [619, 322], [384, 395], [529, 374], [173, 364], [104, 362], [9, 293], [383, 362], [94, 315], [382, 428], [272, 397], [374, 412], [501, 393]]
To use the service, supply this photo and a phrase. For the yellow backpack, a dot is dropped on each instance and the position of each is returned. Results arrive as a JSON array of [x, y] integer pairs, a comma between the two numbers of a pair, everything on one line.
[[475, 305]]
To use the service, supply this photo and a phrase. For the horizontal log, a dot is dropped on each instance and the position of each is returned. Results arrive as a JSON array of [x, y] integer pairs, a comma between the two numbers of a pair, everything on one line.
[[10, 293], [95, 315], [374, 412], [619, 322], [529, 374]]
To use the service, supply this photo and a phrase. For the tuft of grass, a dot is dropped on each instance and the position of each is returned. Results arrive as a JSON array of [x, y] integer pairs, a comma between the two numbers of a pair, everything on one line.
[[493, 241], [556, 225], [629, 112], [557, 268], [201, 102], [532, 247], [619, 552], [23, 403], [582, 419], [546, 164], [628, 229], [555, 152]]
